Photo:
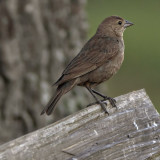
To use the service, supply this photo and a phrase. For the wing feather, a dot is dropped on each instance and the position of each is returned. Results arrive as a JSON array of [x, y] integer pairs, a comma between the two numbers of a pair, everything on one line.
[[96, 52]]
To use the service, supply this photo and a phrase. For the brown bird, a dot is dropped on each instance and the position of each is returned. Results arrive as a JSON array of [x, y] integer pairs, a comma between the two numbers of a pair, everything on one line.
[[99, 59]]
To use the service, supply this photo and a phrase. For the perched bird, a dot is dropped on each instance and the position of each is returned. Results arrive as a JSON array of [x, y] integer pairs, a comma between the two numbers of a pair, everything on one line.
[[99, 59]]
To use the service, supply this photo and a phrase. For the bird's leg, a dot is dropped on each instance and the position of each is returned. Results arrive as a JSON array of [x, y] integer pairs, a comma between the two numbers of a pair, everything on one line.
[[101, 95], [111, 100], [98, 101]]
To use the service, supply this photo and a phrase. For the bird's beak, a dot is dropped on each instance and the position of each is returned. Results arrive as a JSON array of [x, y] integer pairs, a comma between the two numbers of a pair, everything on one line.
[[127, 24]]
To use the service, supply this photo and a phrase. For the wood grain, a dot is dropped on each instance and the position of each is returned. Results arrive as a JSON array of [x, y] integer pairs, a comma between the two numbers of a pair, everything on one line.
[[131, 132]]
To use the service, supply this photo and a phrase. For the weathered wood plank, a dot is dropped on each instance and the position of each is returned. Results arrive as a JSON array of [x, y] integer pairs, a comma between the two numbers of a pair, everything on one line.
[[132, 132]]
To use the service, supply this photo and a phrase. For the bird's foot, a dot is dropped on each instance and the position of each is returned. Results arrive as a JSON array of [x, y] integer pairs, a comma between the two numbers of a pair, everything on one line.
[[111, 100], [102, 106], [97, 102], [101, 103]]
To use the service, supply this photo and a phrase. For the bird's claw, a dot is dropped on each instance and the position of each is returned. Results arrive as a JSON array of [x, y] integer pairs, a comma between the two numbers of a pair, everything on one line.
[[103, 107], [112, 101], [102, 102]]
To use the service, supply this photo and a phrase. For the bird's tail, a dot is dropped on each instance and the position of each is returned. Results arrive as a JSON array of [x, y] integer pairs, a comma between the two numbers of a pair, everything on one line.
[[52, 103], [62, 89]]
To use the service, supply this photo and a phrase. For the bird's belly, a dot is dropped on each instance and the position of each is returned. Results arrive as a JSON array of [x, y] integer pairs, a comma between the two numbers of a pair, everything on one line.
[[107, 70]]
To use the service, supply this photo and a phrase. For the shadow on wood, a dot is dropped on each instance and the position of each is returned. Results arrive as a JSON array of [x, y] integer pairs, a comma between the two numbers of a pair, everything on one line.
[[132, 132]]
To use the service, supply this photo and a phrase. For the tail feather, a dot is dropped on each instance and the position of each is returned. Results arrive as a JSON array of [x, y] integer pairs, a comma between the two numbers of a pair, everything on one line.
[[52, 103], [61, 89]]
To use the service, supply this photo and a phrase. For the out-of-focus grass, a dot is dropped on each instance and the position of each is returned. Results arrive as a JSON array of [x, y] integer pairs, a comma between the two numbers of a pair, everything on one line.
[[141, 68]]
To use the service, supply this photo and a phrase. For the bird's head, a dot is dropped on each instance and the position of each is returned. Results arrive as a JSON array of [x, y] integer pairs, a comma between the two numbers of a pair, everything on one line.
[[113, 26]]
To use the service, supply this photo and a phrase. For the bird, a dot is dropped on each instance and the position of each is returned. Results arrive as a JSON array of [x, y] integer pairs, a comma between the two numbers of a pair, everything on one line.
[[99, 59]]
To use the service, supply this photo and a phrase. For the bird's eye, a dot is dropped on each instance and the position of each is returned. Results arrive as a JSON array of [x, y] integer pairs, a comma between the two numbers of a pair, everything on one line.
[[119, 22]]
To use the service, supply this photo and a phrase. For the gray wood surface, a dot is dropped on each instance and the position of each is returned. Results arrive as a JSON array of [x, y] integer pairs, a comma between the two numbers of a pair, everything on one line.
[[132, 132]]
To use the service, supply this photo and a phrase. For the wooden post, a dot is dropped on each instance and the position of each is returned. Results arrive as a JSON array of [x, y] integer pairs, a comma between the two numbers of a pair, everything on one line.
[[130, 132]]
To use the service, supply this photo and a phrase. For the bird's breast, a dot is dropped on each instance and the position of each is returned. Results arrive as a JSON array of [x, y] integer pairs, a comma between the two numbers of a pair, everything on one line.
[[114, 64]]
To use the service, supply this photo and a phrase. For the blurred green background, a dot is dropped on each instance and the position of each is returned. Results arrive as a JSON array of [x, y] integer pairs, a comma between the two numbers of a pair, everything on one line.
[[141, 67]]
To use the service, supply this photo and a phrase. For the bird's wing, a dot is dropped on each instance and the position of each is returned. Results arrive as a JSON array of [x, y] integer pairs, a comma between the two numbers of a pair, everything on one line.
[[96, 52]]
